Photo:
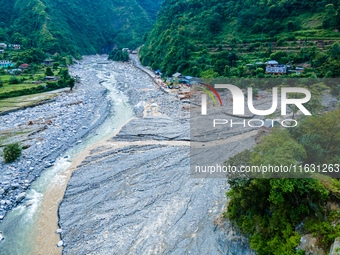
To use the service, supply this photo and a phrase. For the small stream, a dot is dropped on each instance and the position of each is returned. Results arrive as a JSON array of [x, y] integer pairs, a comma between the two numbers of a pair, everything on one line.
[[20, 227]]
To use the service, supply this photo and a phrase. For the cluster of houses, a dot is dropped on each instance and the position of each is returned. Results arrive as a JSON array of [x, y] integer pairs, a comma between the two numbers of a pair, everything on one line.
[[9, 63], [22, 67], [185, 79], [9, 46], [275, 68]]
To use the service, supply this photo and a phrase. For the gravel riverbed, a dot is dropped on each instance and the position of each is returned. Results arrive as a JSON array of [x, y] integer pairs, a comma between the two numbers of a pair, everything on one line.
[[52, 128], [133, 193]]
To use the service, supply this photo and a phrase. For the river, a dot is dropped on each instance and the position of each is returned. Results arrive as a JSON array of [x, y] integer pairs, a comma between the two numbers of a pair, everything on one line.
[[24, 228]]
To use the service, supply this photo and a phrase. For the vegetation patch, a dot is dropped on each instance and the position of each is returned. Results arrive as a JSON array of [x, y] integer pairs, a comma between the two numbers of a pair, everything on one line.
[[269, 210], [12, 152]]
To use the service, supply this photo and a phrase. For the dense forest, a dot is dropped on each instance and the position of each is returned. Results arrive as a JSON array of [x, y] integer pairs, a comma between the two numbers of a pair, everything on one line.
[[213, 38], [76, 26]]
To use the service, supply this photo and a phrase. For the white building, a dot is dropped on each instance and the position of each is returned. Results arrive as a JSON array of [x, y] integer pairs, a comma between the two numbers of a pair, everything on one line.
[[273, 67]]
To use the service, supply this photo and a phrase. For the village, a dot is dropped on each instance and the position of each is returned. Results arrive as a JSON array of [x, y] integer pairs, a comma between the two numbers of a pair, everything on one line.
[[272, 67], [180, 84], [15, 72], [30, 72]]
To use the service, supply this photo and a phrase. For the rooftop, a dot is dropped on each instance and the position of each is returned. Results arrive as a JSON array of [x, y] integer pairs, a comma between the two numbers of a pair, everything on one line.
[[177, 75], [272, 62]]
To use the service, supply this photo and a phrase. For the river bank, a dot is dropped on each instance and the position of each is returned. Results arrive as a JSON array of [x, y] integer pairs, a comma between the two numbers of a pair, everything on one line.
[[52, 128]]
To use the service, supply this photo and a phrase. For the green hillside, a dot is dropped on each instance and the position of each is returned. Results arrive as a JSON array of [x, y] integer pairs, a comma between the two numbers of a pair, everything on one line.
[[214, 38], [76, 26]]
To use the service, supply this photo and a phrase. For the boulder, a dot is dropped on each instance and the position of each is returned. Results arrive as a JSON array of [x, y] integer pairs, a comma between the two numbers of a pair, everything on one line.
[[308, 244], [335, 248], [20, 197]]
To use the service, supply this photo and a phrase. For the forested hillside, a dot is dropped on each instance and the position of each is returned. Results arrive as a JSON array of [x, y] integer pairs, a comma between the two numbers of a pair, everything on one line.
[[214, 38], [76, 26]]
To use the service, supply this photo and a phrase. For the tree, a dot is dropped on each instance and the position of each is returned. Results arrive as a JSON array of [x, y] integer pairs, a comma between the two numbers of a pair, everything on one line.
[[209, 74], [215, 22], [55, 65], [260, 70], [335, 51], [119, 55], [33, 56], [71, 83], [49, 72], [61, 83], [320, 130], [64, 73], [12, 152], [290, 25], [14, 80], [278, 148]]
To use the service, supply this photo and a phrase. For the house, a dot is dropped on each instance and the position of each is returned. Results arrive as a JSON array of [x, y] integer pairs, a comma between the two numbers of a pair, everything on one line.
[[15, 71], [176, 76], [6, 63], [273, 67], [24, 66], [33, 82], [48, 62], [51, 78], [272, 63], [2, 51], [193, 80], [299, 70], [184, 79], [134, 52], [3, 45], [16, 46]]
